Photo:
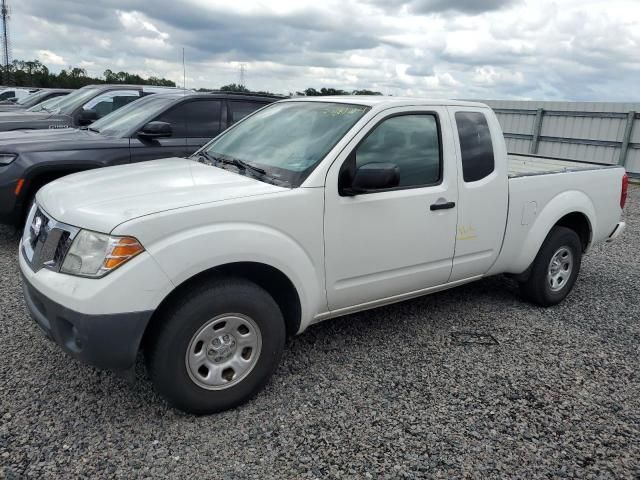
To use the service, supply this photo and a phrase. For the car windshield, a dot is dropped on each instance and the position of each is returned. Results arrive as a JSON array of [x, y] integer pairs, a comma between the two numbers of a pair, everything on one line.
[[121, 122], [285, 140], [32, 99], [47, 105], [72, 101]]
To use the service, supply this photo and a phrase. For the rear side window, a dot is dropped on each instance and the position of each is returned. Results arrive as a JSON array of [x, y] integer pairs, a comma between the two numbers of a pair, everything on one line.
[[239, 110], [111, 101], [196, 119], [475, 145]]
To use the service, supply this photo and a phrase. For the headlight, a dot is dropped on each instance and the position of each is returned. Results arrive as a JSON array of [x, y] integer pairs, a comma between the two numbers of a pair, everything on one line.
[[95, 254], [7, 158]]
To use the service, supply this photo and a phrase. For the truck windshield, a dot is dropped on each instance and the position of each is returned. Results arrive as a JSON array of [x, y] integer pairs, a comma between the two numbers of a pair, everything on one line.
[[286, 140], [31, 99], [72, 101], [123, 121], [47, 105]]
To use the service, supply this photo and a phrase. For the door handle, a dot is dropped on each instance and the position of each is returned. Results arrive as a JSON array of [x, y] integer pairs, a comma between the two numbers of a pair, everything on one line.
[[442, 206]]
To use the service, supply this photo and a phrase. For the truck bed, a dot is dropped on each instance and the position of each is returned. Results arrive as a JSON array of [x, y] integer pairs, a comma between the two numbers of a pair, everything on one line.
[[521, 165]]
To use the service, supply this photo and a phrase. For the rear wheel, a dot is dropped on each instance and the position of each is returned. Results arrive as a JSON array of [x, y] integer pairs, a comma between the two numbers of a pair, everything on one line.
[[217, 347], [555, 269]]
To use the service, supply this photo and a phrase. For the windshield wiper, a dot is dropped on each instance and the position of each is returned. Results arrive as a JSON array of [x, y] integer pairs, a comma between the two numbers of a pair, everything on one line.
[[210, 159], [239, 164], [91, 129], [242, 165], [214, 160]]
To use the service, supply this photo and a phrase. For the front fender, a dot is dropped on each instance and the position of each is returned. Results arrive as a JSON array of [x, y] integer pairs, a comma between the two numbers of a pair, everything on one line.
[[185, 254], [572, 201]]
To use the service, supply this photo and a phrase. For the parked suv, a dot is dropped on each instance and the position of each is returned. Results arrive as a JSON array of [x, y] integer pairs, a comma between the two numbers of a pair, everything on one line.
[[163, 125], [79, 108], [34, 99], [11, 94]]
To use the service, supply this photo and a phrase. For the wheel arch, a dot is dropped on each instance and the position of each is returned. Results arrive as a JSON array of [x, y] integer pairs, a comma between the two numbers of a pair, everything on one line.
[[571, 209], [271, 279]]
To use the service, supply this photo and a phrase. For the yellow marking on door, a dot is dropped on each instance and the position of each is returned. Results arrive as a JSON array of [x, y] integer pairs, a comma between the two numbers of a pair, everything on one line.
[[466, 233]]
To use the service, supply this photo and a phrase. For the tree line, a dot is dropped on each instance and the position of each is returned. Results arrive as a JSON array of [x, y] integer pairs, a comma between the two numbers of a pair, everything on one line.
[[33, 73], [308, 92]]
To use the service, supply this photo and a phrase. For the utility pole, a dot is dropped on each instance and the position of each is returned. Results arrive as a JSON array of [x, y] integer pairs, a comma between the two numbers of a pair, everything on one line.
[[6, 45]]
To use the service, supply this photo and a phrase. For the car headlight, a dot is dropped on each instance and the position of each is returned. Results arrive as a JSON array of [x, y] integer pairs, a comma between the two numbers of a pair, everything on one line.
[[7, 158], [95, 254]]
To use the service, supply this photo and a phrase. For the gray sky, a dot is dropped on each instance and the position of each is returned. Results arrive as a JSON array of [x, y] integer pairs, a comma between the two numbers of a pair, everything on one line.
[[527, 49]]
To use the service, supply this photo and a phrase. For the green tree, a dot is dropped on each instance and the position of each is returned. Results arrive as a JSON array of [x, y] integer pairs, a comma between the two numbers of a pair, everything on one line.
[[312, 92], [365, 92], [234, 87], [33, 73]]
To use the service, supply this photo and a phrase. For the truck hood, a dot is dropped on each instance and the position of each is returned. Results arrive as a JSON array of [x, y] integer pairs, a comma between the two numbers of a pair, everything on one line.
[[10, 107], [24, 119], [23, 116], [54, 139], [102, 199]]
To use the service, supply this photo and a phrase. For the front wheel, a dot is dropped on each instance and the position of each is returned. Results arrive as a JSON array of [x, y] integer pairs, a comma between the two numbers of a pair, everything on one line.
[[217, 347], [555, 269]]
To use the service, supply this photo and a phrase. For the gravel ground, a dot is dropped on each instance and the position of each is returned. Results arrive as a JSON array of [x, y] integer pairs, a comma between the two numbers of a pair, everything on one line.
[[399, 392]]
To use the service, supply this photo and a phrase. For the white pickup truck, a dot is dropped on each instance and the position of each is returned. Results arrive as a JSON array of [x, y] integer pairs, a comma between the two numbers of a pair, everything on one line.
[[306, 210]]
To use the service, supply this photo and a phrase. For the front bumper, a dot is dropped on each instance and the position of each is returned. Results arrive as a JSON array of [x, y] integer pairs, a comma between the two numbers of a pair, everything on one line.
[[108, 341]]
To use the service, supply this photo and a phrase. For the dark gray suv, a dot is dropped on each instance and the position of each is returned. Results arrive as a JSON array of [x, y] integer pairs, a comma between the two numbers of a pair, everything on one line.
[[80, 108], [156, 126], [34, 99]]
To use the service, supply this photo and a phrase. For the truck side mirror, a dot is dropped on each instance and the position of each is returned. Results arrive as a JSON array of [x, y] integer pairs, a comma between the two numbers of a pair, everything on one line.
[[156, 130], [87, 117], [371, 177]]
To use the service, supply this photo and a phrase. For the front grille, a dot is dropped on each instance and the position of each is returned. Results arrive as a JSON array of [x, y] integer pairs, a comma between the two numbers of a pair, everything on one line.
[[46, 241]]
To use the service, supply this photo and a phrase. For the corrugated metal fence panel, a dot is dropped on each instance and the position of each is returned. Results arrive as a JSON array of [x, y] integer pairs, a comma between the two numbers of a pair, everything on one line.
[[515, 145], [633, 160], [635, 133], [588, 131], [587, 153], [611, 129], [517, 123]]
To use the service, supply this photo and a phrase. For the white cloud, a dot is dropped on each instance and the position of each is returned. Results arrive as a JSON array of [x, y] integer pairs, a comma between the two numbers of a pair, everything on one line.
[[48, 57], [137, 23], [547, 49]]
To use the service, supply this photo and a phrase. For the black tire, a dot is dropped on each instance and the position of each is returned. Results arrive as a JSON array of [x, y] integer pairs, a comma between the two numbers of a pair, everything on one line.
[[168, 345], [537, 288]]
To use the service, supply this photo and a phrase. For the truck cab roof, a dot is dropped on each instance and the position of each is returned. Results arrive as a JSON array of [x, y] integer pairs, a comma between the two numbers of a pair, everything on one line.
[[388, 102]]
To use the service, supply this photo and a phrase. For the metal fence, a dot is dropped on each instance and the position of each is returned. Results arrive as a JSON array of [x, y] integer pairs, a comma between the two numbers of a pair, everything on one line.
[[594, 132]]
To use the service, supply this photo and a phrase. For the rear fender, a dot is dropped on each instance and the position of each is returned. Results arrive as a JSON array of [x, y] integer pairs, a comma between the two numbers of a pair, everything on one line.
[[572, 201]]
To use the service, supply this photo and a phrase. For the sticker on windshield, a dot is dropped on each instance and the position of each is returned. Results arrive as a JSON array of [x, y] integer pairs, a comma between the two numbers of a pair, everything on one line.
[[346, 110]]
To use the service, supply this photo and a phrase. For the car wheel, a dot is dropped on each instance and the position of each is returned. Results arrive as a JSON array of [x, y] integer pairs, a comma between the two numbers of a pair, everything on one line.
[[555, 268], [216, 347]]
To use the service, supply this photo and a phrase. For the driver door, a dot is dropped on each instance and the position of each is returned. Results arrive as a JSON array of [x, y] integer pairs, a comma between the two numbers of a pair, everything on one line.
[[389, 243]]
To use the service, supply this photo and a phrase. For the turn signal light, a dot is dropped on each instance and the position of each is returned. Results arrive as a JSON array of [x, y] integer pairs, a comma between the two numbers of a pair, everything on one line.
[[122, 252]]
